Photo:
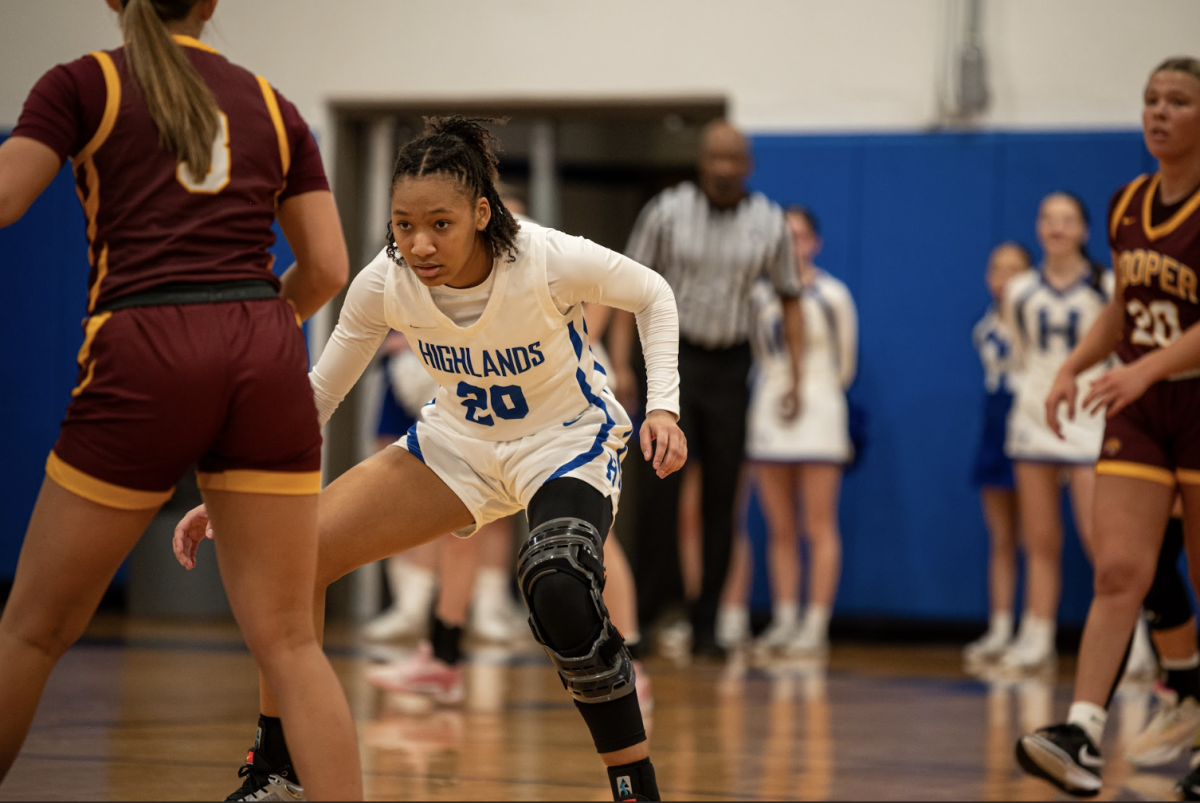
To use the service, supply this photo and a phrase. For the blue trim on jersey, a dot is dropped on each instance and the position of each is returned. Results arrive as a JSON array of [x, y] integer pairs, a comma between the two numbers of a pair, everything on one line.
[[602, 436], [413, 443], [1019, 312]]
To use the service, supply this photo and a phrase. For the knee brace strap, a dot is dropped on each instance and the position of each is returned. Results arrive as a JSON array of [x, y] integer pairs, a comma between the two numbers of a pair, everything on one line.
[[574, 547]]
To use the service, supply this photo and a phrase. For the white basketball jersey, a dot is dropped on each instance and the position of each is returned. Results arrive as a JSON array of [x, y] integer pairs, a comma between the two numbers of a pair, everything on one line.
[[1049, 323], [827, 308], [993, 341], [522, 367]]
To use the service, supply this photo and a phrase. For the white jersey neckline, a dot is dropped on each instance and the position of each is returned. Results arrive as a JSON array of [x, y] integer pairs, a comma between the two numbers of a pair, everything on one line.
[[499, 280]]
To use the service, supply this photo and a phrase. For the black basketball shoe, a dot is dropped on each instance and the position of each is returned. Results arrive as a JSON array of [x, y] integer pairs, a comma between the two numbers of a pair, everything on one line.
[[263, 782], [1188, 787], [1064, 756]]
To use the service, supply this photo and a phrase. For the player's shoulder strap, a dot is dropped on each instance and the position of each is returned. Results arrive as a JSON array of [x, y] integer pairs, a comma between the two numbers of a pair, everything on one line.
[[1123, 203]]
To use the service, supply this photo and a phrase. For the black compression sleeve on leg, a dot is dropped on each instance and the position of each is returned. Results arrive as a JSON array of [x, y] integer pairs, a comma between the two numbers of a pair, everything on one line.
[[1167, 604], [270, 747], [446, 642], [615, 724], [567, 497], [634, 781]]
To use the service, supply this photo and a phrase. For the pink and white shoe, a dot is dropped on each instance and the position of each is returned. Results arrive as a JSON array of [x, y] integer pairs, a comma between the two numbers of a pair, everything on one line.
[[423, 675]]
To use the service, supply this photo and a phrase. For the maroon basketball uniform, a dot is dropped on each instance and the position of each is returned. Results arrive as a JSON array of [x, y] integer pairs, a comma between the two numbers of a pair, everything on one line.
[[222, 385], [1157, 253]]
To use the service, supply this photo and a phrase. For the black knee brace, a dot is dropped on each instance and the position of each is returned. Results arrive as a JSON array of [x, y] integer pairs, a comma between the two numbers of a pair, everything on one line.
[[561, 573], [1167, 604]]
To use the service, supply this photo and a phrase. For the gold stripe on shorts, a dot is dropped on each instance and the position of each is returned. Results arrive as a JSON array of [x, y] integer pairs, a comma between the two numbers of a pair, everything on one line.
[[1136, 471], [283, 483]]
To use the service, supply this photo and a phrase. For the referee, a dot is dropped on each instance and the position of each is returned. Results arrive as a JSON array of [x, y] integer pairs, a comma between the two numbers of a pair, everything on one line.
[[710, 240]]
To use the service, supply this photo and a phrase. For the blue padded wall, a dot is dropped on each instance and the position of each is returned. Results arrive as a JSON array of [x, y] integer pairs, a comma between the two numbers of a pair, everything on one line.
[[908, 221]]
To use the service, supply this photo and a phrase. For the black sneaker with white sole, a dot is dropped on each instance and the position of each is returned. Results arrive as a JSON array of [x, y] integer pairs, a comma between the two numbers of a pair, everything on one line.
[[1188, 787], [265, 783], [1064, 756]]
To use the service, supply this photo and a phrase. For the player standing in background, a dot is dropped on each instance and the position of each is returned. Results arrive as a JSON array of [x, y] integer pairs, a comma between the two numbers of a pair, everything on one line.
[[1151, 447], [993, 473], [798, 463], [711, 240], [192, 353], [1049, 311], [522, 418]]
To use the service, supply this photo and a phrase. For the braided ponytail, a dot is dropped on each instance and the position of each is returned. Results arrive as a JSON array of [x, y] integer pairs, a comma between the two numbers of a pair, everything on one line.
[[460, 147]]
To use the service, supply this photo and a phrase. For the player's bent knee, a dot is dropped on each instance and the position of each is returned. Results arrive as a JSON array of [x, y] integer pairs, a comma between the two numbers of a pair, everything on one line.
[[561, 573], [49, 638], [1119, 577]]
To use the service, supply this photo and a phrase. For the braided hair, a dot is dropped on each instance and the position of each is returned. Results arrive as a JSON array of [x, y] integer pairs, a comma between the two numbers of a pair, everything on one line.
[[460, 147]]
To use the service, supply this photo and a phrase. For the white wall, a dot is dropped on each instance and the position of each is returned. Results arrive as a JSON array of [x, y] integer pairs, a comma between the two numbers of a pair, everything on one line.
[[784, 65]]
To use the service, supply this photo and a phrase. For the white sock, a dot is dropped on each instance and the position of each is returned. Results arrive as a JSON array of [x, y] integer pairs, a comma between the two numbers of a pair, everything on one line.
[[491, 589], [412, 586], [737, 613], [785, 615], [1091, 718], [1000, 625], [816, 620], [1178, 664], [1037, 632]]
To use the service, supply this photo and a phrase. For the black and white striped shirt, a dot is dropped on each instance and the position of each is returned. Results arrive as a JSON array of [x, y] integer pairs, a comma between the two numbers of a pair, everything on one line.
[[711, 258]]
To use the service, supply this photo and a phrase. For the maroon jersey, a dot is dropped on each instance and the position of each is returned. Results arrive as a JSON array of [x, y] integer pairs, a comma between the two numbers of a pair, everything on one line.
[[1157, 253], [149, 222]]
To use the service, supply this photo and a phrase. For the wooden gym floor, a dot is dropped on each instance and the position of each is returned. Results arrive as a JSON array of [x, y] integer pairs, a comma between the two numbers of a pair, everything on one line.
[[153, 710]]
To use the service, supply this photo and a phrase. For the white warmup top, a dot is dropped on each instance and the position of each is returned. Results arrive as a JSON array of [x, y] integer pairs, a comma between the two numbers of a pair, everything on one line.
[[821, 432], [830, 334], [994, 341], [511, 355], [1047, 324]]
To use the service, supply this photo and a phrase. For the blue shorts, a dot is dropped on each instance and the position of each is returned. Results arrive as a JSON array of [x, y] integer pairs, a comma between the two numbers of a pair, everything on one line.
[[393, 421], [992, 467]]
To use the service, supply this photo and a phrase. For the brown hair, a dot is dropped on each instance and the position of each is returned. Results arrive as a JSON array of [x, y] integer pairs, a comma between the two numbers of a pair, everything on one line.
[[180, 103], [1185, 64]]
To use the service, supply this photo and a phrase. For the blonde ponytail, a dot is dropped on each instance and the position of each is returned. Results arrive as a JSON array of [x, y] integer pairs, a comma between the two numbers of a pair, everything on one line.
[[180, 103]]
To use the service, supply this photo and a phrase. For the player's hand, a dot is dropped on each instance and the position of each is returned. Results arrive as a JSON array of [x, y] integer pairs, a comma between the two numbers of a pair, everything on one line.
[[189, 532], [1117, 389], [663, 443], [789, 404], [1063, 390]]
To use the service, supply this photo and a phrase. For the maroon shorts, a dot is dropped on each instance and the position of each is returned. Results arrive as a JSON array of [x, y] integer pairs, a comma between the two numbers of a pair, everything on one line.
[[1157, 438], [222, 386]]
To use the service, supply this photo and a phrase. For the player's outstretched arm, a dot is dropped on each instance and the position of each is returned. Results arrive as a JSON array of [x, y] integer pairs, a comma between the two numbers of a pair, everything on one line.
[[26, 168]]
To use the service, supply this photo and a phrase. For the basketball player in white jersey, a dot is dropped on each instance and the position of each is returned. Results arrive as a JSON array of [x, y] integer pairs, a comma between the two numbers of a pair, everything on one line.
[[522, 419], [993, 471], [1049, 311], [798, 463]]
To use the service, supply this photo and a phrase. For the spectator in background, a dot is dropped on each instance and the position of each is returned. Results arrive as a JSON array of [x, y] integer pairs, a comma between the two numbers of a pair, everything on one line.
[[798, 463], [993, 472], [1049, 311], [711, 240]]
